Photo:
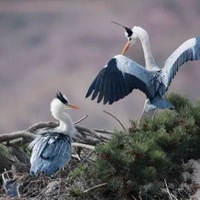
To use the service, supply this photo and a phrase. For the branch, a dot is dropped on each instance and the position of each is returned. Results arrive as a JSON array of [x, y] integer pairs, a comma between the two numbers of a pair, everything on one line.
[[171, 196], [87, 136], [40, 125], [115, 119], [92, 132], [95, 187], [103, 131], [80, 120], [86, 146], [14, 135]]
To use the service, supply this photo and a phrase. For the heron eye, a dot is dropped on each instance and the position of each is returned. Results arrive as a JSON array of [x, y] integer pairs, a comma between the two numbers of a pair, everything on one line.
[[129, 32]]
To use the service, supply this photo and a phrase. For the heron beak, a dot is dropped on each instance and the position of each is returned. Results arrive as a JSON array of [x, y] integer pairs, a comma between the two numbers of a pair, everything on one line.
[[70, 106], [128, 44]]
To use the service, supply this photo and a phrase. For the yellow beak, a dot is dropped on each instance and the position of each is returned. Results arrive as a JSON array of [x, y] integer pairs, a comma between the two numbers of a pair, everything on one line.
[[126, 47], [73, 106]]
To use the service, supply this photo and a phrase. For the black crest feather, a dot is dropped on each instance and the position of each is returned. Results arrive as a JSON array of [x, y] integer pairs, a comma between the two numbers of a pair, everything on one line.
[[60, 96], [128, 30]]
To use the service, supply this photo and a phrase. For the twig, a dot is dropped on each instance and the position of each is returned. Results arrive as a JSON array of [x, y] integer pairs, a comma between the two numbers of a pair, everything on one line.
[[170, 195], [95, 187], [6, 172], [75, 144], [115, 119], [103, 131], [80, 120], [133, 197], [14, 135], [76, 156], [5, 176], [40, 125], [93, 132], [87, 135]]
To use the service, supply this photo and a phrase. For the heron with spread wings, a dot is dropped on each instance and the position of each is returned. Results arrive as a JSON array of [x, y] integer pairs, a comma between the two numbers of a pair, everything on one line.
[[122, 75]]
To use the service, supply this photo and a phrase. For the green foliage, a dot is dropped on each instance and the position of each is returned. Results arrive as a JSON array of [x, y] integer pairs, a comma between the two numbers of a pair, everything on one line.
[[136, 162], [76, 192]]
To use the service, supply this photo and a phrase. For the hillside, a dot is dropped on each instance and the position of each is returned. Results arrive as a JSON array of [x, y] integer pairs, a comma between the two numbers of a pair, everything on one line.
[[47, 46]]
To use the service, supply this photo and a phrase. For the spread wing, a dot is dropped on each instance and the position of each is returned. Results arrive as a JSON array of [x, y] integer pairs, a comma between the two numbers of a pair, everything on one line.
[[118, 79], [189, 50]]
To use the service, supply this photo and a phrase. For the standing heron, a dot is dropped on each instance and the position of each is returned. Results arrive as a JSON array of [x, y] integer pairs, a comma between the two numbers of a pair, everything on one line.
[[51, 149], [121, 75]]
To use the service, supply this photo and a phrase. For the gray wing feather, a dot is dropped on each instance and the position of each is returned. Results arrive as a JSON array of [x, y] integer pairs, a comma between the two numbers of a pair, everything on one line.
[[118, 78], [50, 152], [49, 146], [142, 75], [189, 50]]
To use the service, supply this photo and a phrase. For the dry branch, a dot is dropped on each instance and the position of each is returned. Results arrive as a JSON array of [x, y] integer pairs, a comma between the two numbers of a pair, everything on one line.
[[80, 120], [87, 138], [75, 144], [14, 135], [41, 125], [115, 118], [95, 187]]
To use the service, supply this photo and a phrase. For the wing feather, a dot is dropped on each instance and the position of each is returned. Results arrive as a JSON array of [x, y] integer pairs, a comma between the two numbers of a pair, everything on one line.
[[59, 147], [50, 152], [48, 146], [118, 79], [189, 50]]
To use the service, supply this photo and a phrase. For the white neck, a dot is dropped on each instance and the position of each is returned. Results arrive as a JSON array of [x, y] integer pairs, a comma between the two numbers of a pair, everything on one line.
[[144, 38], [66, 124]]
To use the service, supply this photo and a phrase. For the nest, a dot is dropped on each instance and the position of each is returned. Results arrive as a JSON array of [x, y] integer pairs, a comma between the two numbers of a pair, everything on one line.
[[65, 184], [18, 183]]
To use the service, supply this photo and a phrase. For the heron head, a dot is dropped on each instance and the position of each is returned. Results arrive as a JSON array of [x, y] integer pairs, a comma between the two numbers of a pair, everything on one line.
[[63, 99], [61, 102], [130, 35], [131, 40]]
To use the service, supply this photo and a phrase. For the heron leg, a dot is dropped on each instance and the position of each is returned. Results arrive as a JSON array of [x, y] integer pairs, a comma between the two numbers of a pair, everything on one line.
[[146, 113]]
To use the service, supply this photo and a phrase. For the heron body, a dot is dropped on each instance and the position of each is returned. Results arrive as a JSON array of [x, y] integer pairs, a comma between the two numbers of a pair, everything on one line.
[[54, 150], [122, 75], [51, 149]]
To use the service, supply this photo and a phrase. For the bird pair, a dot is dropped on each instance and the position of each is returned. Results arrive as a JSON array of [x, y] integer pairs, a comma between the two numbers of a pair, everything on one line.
[[51, 150]]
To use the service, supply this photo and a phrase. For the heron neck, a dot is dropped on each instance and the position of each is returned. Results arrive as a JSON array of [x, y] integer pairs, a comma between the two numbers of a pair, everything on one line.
[[66, 124], [148, 56]]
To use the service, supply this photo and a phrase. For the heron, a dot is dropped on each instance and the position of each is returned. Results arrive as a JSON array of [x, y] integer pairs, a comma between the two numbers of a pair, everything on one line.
[[51, 149], [122, 75]]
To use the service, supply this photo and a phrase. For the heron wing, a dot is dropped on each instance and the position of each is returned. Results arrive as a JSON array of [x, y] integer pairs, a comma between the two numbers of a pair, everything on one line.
[[189, 50], [50, 145], [50, 152], [118, 78]]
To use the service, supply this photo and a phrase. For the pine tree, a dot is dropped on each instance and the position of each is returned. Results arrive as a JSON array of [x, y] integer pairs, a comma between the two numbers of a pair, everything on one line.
[[137, 162]]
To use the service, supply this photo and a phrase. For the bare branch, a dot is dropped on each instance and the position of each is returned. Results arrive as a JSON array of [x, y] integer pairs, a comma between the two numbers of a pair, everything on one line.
[[40, 125], [103, 131], [93, 132], [115, 119], [80, 120], [171, 196], [95, 187], [14, 135], [86, 146], [87, 136]]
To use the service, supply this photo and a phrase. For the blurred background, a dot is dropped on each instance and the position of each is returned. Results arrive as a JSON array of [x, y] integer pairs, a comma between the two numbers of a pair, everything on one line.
[[51, 45]]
